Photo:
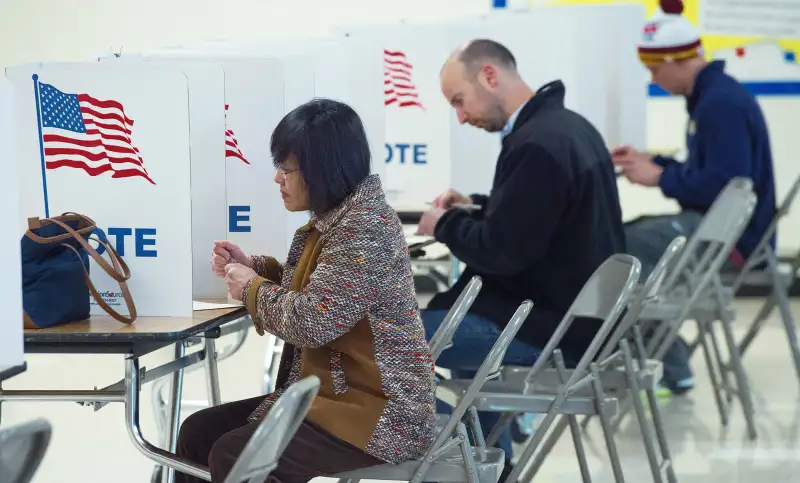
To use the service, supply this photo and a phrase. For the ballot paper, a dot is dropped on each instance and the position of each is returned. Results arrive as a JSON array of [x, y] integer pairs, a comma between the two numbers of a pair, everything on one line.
[[198, 305]]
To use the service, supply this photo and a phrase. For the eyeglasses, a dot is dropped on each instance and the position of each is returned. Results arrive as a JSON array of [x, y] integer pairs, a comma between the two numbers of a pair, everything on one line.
[[284, 172]]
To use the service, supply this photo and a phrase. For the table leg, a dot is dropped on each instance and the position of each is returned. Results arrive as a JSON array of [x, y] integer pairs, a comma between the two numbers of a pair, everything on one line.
[[174, 420], [160, 456], [212, 373]]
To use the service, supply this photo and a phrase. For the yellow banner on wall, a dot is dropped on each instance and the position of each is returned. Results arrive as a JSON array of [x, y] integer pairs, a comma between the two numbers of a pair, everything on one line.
[[711, 43]]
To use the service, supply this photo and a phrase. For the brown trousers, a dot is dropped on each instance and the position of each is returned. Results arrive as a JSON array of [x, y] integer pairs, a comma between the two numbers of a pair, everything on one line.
[[216, 436]]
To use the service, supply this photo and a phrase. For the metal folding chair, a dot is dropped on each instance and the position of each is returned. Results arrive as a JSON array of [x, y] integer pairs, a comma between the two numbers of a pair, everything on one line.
[[763, 268], [451, 458], [604, 296], [694, 290], [443, 337], [22, 449], [261, 453], [623, 375]]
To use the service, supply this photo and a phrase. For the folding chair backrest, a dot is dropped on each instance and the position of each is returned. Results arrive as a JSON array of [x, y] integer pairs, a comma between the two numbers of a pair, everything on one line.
[[489, 368], [759, 253], [604, 296], [443, 336], [714, 238], [22, 449], [647, 291], [262, 452]]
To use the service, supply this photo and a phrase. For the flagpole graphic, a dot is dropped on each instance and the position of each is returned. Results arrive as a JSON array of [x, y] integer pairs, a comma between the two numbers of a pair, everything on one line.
[[41, 142]]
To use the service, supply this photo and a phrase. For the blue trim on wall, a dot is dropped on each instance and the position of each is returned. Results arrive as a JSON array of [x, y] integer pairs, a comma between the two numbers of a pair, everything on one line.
[[761, 89]]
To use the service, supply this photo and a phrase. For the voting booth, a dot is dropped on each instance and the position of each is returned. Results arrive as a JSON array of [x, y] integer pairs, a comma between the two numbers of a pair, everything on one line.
[[255, 96], [112, 142], [592, 49], [350, 72], [11, 342]]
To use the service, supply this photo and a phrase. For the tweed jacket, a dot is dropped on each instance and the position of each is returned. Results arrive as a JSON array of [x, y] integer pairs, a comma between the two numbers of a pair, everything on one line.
[[344, 303]]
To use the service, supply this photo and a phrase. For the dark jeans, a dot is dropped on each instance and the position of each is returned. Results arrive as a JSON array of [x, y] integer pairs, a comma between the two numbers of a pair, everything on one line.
[[647, 239], [216, 436], [471, 344]]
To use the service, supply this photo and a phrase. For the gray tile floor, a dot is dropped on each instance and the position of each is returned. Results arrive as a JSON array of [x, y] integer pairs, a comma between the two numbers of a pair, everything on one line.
[[91, 447]]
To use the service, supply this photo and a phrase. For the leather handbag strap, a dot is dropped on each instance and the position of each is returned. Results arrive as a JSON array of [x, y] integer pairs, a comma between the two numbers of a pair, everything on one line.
[[27, 322], [119, 272], [126, 294], [33, 223]]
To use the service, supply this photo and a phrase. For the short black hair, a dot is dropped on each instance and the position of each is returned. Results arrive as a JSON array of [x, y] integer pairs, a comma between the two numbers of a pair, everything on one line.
[[485, 49], [331, 147]]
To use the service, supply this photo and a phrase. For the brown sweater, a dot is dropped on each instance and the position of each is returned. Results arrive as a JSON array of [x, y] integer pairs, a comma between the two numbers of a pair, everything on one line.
[[345, 305]]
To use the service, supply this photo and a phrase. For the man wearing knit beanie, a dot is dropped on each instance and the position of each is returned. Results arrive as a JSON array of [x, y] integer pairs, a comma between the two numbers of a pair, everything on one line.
[[726, 137]]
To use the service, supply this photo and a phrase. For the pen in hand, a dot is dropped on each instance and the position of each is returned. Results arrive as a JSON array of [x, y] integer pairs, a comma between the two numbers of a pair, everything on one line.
[[463, 206]]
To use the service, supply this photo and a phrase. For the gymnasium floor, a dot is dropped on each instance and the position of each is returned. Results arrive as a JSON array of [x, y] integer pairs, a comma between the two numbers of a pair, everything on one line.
[[89, 447]]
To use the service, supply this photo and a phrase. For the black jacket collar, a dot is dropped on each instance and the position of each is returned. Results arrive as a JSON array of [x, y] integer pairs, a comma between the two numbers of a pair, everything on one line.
[[550, 95]]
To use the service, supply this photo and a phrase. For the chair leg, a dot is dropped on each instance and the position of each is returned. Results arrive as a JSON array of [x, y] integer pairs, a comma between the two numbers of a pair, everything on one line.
[[546, 449], [758, 322], [742, 382], [466, 454], [644, 428], [722, 407], [787, 319], [613, 454], [655, 413], [537, 438], [724, 380], [577, 441], [625, 405]]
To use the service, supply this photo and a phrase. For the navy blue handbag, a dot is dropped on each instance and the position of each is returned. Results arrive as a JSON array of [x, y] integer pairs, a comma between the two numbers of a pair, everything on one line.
[[56, 286]]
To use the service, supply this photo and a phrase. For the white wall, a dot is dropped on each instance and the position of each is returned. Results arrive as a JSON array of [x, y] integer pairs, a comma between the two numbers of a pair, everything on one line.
[[75, 29]]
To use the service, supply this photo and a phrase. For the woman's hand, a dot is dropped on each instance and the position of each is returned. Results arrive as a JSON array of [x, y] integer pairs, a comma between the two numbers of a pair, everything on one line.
[[237, 276], [226, 252]]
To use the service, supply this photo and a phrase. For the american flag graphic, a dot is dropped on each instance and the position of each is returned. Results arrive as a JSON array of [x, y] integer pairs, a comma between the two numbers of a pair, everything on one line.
[[231, 145], [398, 88], [80, 131]]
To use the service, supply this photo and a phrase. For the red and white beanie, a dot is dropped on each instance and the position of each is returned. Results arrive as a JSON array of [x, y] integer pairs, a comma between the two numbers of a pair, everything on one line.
[[668, 36]]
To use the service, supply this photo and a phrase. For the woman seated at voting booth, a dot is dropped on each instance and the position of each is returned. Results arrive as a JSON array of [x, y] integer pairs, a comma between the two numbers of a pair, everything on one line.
[[344, 304]]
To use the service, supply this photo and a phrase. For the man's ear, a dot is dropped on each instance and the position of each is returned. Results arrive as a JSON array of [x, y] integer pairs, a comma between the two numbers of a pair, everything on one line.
[[490, 75]]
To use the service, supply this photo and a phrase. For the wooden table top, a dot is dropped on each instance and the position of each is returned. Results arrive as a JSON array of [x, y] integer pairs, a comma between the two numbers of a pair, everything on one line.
[[106, 331]]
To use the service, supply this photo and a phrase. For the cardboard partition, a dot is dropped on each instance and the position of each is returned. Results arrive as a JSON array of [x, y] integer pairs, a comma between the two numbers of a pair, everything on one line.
[[345, 71], [11, 341], [209, 139], [112, 142], [257, 96]]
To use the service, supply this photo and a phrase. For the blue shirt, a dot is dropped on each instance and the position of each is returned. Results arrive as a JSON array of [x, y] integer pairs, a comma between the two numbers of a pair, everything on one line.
[[726, 137], [511, 120]]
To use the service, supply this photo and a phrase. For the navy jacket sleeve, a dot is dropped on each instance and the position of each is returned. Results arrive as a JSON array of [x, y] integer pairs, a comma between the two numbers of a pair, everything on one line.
[[664, 161], [723, 146], [516, 227]]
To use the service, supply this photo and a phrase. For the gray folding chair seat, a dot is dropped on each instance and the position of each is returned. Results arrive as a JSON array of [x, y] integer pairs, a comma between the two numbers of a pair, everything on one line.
[[614, 377], [451, 458], [502, 396], [448, 468], [22, 449], [604, 296], [694, 283], [622, 376]]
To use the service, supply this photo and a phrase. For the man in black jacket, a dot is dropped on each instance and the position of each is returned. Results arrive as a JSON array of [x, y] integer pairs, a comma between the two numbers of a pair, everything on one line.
[[552, 218]]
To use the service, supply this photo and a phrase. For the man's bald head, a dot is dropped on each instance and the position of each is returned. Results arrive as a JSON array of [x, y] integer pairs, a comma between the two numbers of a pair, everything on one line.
[[481, 82], [475, 53]]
